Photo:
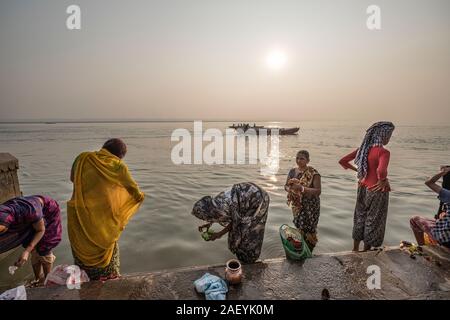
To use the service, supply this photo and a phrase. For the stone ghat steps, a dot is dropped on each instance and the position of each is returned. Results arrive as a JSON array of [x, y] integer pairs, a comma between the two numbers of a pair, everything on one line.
[[343, 274]]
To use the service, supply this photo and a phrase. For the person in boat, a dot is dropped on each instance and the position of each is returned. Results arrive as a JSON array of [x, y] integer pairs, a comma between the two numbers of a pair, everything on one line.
[[435, 231], [303, 187], [104, 198], [35, 223], [372, 160], [242, 211]]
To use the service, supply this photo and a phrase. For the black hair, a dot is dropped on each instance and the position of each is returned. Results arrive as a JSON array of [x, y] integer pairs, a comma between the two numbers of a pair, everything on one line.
[[116, 146], [303, 153]]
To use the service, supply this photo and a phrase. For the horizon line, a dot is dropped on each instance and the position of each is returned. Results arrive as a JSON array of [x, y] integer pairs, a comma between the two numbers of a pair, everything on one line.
[[69, 121]]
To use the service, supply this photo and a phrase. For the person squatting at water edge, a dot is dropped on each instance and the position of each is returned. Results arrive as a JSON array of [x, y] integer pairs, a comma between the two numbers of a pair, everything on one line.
[[35, 223], [242, 211], [303, 185], [435, 231], [104, 198], [445, 185], [372, 160]]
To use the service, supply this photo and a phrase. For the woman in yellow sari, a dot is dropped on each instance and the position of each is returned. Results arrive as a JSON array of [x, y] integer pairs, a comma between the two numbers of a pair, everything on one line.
[[104, 198]]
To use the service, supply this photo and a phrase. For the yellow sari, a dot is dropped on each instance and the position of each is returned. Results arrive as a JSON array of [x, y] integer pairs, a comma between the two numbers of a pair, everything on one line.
[[105, 197]]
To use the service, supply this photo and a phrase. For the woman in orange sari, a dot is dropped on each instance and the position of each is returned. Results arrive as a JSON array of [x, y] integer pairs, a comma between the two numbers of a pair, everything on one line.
[[104, 198]]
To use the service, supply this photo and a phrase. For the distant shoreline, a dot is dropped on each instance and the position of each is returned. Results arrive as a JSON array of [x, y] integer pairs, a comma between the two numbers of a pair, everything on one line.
[[109, 121], [50, 122]]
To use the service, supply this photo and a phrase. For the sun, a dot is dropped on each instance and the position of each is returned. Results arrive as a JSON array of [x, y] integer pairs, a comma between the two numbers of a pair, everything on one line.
[[276, 59]]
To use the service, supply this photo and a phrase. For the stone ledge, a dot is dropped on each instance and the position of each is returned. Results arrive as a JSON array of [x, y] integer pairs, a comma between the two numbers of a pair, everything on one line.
[[8, 162], [343, 274]]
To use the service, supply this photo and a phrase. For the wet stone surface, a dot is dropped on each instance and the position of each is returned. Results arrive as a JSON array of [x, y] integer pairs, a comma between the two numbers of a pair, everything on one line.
[[344, 275]]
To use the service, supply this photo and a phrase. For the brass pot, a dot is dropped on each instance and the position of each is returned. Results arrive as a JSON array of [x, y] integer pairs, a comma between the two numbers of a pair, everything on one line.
[[233, 271]]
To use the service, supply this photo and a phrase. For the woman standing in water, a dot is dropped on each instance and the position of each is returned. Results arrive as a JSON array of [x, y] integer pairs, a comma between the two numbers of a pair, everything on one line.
[[303, 185], [242, 210], [372, 161], [104, 198]]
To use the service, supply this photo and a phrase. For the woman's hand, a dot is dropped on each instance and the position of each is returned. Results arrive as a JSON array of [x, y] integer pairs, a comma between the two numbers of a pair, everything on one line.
[[207, 225], [215, 236], [442, 215], [218, 235], [445, 169], [293, 181], [298, 188], [23, 259], [382, 185]]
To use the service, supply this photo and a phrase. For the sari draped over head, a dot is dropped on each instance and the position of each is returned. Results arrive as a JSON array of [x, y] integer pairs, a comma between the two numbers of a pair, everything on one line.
[[105, 198], [245, 206], [375, 136]]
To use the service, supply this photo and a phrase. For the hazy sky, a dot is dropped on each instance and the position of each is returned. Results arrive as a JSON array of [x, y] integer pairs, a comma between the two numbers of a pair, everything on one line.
[[205, 59]]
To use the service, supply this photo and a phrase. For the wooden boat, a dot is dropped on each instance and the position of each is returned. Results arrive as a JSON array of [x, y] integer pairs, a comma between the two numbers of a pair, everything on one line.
[[281, 131]]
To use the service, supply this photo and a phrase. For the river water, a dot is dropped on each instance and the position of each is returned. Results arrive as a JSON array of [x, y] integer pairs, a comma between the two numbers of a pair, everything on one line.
[[163, 234]]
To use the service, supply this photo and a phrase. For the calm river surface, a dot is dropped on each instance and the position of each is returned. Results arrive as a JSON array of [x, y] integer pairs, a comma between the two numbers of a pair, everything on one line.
[[163, 234]]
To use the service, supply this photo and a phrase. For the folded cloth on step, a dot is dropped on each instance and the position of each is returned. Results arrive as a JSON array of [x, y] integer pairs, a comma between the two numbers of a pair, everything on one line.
[[214, 287]]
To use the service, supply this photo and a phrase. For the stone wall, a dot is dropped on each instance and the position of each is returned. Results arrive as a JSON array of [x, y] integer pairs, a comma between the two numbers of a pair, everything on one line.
[[9, 182]]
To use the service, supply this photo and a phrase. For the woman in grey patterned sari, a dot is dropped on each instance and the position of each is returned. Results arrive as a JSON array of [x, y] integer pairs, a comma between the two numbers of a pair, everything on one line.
[[242, 210]]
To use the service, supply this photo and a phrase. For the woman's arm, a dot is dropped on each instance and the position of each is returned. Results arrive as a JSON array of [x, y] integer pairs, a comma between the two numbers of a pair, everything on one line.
[[39, 227], [131, 185], [289, 177], [431, 182], [316, 188], [345, 161], [206, 225], [218, 235], [72, 171], [383, 162]]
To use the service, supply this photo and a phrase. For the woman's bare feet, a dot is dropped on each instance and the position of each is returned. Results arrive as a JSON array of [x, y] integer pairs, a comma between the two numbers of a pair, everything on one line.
[[34, 283]]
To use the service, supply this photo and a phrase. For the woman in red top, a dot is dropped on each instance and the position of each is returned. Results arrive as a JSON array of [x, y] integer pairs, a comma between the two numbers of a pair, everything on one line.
[[371, 160]]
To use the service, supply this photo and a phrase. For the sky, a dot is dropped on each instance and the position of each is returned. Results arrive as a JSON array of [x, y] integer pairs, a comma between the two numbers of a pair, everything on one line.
[[208, 60]]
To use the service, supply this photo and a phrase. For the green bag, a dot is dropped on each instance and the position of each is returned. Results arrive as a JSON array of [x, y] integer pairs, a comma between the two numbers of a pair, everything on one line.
[[291, 251]]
